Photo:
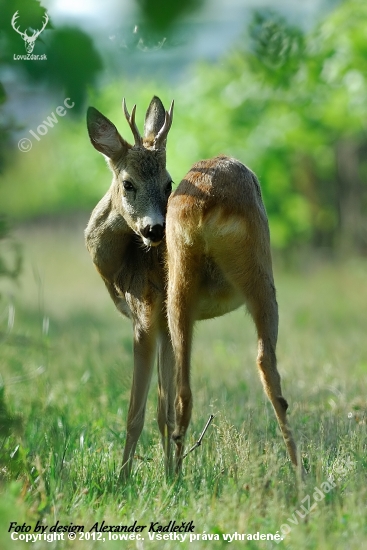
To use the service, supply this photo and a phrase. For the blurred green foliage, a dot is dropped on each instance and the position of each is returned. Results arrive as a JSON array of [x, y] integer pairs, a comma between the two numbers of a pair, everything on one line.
[[277, 48], [289, 104], [71, 66], [10, 256], [72, 63], [161, 15], [293, 107]]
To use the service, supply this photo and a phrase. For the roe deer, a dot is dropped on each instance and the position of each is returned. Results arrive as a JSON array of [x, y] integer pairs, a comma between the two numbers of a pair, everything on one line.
[[124, 237], [215, 257]]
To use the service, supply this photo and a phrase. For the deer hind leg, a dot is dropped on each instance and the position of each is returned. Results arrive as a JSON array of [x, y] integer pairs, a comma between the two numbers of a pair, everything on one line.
[[253, 277], [166, 411], [144, 353], [181, 296], [264, 310]]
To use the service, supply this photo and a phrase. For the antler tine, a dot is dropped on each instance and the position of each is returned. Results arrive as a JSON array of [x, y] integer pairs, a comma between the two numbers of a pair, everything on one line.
[[14, 18], [132, 124], [163, 132], [125, 110], [45, 23]]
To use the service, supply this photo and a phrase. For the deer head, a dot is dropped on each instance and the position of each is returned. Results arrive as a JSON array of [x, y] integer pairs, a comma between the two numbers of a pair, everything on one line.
[[28, 40], [141, 184]]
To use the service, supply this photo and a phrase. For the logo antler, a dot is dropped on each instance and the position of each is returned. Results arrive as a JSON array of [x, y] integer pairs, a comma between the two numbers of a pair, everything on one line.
[[29, 40]]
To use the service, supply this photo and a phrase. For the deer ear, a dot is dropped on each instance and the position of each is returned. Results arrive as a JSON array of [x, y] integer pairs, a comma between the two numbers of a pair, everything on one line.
[[104, 135], [154, 119]]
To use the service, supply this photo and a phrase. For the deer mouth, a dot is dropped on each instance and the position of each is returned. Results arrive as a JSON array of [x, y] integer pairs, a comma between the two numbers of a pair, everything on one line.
[[152, 235], [151, 243]]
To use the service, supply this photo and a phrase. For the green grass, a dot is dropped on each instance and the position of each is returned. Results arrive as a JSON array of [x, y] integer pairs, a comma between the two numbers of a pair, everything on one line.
[[65, 364]]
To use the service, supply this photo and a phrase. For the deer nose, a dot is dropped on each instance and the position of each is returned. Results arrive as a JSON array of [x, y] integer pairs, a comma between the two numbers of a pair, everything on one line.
[[153, 232]]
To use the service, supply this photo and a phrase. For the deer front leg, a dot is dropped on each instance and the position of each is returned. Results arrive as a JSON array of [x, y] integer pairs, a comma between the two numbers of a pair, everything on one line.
[[166, 396], [144, 352]]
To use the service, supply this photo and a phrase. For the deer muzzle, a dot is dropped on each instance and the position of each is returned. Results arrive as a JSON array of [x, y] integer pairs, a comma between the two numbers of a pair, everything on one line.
[[153, 234]]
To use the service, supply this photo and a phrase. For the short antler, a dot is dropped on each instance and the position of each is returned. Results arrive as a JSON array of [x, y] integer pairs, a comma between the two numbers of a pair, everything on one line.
[[161, 137], [132, 124]]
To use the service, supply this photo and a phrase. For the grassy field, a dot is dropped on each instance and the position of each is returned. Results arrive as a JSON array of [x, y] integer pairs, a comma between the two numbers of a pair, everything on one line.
[[65, 364]]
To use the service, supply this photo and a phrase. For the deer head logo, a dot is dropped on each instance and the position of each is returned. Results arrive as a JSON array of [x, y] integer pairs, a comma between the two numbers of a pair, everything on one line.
[[29, 41]]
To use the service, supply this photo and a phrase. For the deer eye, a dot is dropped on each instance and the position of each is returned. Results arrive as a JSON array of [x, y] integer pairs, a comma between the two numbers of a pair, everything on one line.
[[128, 186], [169, 187]]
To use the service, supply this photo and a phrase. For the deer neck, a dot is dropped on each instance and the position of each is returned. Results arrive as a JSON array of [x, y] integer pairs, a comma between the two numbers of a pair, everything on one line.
[[107, 237]]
